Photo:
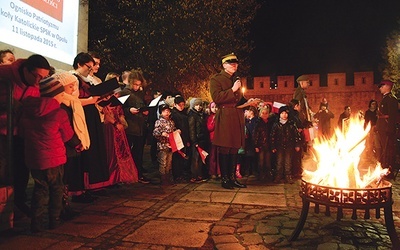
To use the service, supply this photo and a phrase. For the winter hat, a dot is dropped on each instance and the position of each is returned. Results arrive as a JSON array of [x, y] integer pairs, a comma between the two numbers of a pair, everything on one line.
[[50, 87], [162, 108], [283, 109], [178, 99], [66, 78], [169, 101], [195, 101]]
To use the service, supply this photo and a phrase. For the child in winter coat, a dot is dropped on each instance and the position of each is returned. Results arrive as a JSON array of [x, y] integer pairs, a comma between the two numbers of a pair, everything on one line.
[[285, 140], [162, 128], [198, 138], [214, 170], [262, 144], [46, 127]]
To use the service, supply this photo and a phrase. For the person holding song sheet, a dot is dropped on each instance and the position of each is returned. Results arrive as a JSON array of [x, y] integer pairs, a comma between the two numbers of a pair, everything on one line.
[[136, 113], [93, 160]]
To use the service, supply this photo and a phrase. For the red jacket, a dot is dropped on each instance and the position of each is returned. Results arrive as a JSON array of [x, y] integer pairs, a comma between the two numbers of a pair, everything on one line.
[[45, 127], [13, 73]]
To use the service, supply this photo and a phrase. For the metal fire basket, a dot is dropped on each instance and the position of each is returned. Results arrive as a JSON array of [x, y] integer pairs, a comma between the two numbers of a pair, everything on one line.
[[348, 198]]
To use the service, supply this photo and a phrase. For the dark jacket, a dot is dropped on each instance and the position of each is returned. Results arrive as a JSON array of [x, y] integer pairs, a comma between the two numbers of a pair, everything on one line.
[[262, 134], [324, 124], [285, 136], [370, 117], [45, 128], [70, 145], [181, 121], [198, 129], [137, 123], [249, 141], [387, 115]]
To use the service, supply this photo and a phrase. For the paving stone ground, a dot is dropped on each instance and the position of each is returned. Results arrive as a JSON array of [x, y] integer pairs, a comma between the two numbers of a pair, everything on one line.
[[205, 216]]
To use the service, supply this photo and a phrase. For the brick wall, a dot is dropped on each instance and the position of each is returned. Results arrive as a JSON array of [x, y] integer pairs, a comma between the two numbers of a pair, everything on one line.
[[340, 91]]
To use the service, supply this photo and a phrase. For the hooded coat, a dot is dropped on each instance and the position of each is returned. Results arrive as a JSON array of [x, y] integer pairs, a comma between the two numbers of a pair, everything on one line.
[[45, 128]]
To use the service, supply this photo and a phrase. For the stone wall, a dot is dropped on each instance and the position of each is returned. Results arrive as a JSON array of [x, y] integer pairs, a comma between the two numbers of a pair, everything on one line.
[[340, 91]]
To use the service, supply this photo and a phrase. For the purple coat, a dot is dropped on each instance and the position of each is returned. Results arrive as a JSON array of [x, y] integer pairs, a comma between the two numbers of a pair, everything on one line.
[[45, 128]]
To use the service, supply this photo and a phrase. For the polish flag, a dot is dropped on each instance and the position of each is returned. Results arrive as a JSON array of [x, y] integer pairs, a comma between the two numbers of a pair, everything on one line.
[[176, 143], [203, 154]]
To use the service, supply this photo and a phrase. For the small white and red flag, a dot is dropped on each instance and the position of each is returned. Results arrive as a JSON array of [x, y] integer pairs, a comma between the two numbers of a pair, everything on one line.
[[203, 154], [175, 140]]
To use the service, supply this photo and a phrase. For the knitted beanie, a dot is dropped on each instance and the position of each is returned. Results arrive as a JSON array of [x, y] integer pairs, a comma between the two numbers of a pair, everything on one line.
[[195, 101], [50, 87], [284, 109], [66, 78]]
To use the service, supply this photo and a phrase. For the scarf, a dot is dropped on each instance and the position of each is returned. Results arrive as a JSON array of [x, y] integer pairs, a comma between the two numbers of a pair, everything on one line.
[[78, 119], [282, 121]]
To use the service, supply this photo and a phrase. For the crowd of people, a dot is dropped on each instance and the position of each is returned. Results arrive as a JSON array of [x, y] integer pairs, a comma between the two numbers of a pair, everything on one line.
[[74, 142]]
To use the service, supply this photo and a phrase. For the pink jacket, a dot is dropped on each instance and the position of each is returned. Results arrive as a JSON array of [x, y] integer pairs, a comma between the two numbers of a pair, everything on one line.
[[45, 128]]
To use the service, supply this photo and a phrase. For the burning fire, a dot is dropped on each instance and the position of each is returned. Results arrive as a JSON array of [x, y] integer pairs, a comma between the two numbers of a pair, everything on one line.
[[337, 159]]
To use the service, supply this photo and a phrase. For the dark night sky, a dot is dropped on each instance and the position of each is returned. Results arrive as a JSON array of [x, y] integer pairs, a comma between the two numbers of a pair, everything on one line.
[[317, 36]]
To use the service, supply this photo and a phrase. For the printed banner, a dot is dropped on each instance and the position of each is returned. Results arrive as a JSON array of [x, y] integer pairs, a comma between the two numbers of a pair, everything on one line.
[[52, 8]]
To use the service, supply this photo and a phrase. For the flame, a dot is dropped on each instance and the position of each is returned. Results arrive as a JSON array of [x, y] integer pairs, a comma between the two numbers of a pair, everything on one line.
[[337, 159]]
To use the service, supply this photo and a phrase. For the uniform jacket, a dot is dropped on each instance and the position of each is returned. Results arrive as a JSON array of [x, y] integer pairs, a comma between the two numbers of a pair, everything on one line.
[[45, 128], [387, 115], [300, 95], [21, 90], [137, 123], [229, 120]]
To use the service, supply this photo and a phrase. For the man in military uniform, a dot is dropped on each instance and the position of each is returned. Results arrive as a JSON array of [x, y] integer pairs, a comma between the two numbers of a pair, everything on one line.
[[386, 125], [305, 113], [229, 120]]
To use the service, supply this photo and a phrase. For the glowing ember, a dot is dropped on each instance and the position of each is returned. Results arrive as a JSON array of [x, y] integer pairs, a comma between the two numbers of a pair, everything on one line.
[[337, 159]]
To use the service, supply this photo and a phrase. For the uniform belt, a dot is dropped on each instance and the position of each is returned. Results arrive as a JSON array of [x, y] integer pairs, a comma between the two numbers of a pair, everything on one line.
[[229, 105], [383, 116]]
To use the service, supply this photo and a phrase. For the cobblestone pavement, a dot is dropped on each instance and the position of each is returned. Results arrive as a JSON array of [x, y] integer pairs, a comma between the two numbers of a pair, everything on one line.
[[205, 216]]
